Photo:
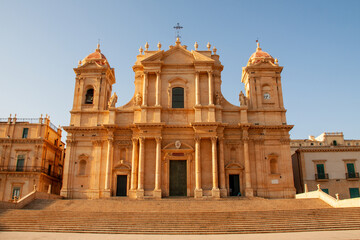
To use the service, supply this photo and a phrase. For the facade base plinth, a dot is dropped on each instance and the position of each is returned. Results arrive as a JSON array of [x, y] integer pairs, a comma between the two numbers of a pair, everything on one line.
[[223, 192], [215, 193], [106, 193], [198, 193], [64, 193], [157, 193], [140, 193], [249, 192], [132, 194]]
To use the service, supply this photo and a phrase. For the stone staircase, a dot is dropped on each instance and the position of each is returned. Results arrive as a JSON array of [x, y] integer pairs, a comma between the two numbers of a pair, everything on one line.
[[179, 216]]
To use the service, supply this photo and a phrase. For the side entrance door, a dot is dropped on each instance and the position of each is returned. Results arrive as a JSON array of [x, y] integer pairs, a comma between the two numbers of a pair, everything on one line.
[[234, 185], [178, 183], [121, 185]]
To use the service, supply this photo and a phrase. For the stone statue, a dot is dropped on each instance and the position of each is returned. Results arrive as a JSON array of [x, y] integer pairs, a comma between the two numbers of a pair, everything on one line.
[[138, 99], [242, 99], [112, 100], [218, 98]]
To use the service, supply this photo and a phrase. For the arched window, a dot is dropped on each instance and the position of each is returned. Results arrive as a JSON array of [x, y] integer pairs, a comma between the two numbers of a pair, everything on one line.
[[177, 97], [82, 167], [335, 143], [89, 97]]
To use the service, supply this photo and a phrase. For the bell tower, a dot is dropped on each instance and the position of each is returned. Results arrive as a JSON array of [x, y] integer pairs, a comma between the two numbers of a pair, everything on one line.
[[263, 89], [93, 86]]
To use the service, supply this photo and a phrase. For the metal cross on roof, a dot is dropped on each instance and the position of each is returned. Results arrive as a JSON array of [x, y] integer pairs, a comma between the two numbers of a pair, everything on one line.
[[177, 30]]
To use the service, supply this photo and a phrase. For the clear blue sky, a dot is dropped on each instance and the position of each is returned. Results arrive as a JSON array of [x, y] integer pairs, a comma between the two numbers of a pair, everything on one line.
[[317, 42]]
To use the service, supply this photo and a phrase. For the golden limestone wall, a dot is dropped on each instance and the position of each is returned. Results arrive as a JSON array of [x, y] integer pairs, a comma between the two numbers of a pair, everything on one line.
[[178, 135]]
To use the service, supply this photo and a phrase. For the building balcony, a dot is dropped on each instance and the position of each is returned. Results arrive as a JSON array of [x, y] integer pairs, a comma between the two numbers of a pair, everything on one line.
[[321, 176], [352, 176], [19, 169]]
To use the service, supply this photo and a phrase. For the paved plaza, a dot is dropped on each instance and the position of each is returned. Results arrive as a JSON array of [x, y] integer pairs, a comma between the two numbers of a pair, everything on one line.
[[348, 235]]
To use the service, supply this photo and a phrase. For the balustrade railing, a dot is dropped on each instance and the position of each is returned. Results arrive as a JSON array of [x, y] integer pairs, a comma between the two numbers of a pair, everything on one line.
[[352, 175], [29, 169], [322, 176]]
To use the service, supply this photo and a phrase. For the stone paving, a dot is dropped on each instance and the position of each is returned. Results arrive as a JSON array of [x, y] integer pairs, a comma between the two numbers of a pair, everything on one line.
[[332, 235]]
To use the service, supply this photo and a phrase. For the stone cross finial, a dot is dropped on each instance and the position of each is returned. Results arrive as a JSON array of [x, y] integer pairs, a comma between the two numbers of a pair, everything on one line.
[[141, 50], [159, 46], [208, 46], [196, 45], [146, 46]]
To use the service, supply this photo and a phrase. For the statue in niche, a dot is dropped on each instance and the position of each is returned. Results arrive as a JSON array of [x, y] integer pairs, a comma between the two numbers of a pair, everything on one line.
[[137, 99], [113, 100], [242, 99], [218, 98]]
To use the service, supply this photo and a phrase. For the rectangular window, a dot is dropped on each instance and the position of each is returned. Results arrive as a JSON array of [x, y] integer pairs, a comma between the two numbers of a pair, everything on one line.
[[325, 190], [320, 171], [49, 170], [25, 133], [351, 170], [354, 192], [20, 163], [178, 97], [16, 192]]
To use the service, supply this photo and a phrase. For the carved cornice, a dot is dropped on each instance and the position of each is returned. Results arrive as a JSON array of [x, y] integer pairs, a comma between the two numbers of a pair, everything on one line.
[[288, 127], [328, 149], [21, 140], [123, 142]]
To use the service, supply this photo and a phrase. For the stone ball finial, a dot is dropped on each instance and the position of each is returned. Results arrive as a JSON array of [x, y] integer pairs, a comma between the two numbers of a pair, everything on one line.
[[177, 41], [146, 46], [214, 50], [276, 61], [159, 46], [79, 62], [208, 46], [141, 50], [318, 187], [196, 45]]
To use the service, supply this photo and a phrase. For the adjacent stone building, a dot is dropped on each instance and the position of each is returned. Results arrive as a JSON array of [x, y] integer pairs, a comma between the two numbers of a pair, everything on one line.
[[178, 136], [328, 160], [31, 153]]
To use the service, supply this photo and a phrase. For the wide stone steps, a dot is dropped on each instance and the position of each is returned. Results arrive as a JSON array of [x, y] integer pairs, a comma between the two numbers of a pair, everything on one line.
[[181, 222]]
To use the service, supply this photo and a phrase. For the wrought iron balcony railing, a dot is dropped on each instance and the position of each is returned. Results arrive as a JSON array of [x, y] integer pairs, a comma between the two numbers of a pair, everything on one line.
[[29, 169], [352, 175], [321, 176]]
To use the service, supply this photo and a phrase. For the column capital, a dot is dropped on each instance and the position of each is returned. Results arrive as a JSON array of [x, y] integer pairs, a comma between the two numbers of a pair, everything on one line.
[[134, 140], [141, 140], [157, 72], [158, 139], [221, 139], [97, 143], [213, 139], [197, 139], [210, 71]]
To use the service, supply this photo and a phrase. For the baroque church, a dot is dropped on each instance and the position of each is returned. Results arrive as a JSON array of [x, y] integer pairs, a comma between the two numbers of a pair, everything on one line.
[[178, 135]]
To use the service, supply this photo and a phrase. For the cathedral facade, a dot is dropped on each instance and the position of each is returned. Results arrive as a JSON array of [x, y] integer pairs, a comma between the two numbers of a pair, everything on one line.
[[178, 136]]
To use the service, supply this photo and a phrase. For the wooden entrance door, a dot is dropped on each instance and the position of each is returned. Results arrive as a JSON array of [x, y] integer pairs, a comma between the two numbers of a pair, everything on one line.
[[178, 183], [234, 185], [121, 185]]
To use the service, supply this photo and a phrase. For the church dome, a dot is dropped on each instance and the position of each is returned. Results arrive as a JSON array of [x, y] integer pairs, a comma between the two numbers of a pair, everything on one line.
[[97, 57], [259, 56]]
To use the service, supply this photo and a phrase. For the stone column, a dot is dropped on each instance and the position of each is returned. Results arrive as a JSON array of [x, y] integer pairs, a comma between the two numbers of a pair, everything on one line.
[[108, 164], [197, 88], [145, 84], [134, 161], [222, 168], [248, 190], [157, 100], [215, 189], [68, 169], [157, 190], [140, 190], [211, 94], [198, 190]]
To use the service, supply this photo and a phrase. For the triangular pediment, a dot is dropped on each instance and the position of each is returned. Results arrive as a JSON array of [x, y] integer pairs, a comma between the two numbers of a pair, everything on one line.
[[91, 65], [177, 55]]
